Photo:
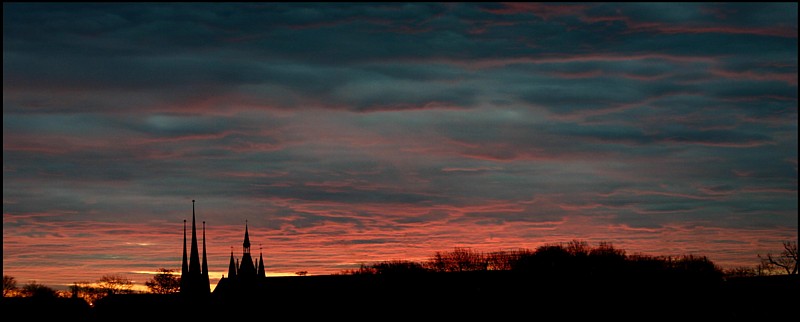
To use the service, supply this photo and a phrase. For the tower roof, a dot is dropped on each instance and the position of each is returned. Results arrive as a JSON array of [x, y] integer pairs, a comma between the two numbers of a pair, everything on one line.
[[246, 243], [261, 272], [194, 257], [206, 284], [232, 268], [185, 263]]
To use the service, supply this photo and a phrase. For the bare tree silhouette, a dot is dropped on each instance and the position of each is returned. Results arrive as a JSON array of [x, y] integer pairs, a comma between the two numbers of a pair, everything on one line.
[[398, 267], [9, 285], [461, 259], [786, 260], [115, 284]]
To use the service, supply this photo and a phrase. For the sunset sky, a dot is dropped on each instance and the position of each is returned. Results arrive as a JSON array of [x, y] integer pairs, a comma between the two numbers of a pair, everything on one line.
[[348, 134]]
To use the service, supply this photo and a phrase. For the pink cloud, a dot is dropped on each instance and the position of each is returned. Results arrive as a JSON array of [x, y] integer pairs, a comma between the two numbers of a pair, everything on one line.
[[542, 10], [578, 75], [691, 28], [464, 169], [189, 137], [502, 62], [789, 78], [777, 31], [738, 144], [54, 144], [637, 192], [246, 174]]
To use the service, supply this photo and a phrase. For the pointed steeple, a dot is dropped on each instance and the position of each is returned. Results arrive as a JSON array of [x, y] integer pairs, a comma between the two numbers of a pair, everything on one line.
[[232, 268], [185, 264], [194, 258], [246, 244], [261, 272], [206, 285], [247, 269]]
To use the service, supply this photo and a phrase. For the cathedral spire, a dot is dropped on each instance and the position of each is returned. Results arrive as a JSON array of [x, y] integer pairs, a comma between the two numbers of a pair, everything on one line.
[[194, 258], [246, 244], [185, 264], [261, 272], [206, 284], [247, 268], [232, 268]]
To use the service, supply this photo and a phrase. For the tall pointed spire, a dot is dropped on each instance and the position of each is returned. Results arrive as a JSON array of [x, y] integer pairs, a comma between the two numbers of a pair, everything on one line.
[[232, 268], [261, 272], [194, 258], [185, 264], [246, 244], [194, 281], [206, 284], [247, 269]]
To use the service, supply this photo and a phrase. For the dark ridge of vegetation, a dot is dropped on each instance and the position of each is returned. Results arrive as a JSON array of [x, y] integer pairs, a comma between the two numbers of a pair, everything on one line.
[[556, 281], [575, 259]]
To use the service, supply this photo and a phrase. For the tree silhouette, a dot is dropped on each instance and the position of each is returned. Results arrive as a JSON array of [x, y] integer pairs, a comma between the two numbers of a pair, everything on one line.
[[115, 284], [9, 285], [741, 271], [87, 291], [437, 263], [581, 248], [506, 260], [165, 282], [34, 289], [461, 259], [398, 267], [573, 261], [786, 260]]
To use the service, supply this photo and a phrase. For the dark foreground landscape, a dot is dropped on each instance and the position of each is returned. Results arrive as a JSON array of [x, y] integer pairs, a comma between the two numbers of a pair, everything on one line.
[[494, 295]]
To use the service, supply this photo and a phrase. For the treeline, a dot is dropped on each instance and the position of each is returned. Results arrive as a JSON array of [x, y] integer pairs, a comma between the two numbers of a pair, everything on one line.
[[164, 282], [573, 259]]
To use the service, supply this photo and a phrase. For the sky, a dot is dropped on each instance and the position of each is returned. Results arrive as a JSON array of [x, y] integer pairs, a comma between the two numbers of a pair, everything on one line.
[[345, 134]]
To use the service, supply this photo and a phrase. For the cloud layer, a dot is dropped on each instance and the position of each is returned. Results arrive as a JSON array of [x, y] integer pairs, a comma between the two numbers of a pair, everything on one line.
[[355, 133]]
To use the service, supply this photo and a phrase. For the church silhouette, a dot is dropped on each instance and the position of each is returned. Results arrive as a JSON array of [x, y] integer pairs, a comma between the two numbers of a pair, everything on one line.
[[244, 278]]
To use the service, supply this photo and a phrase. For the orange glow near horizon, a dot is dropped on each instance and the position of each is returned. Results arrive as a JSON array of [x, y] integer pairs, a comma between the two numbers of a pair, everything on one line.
[[146, 247]]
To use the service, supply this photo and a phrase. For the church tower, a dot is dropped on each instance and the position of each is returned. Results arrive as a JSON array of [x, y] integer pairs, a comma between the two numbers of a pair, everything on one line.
[[206, 285], [246, 277], [232, 267], [261, 273], [247, 270], [194, 281], [185, 264]]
